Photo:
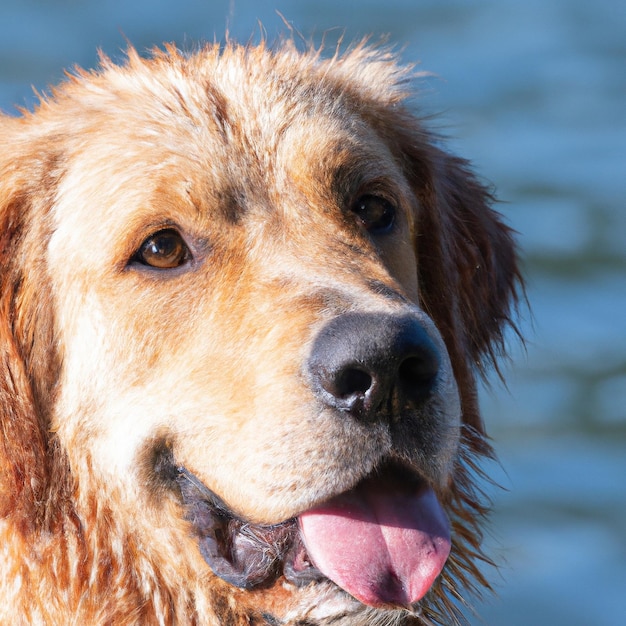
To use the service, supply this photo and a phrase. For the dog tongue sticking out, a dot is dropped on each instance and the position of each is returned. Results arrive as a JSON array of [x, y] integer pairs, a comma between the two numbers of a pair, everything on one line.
[[381, 544]]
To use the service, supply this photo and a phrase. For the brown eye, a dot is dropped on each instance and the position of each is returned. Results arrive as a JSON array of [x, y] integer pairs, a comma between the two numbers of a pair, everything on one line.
[[164, 249], [376, 213]]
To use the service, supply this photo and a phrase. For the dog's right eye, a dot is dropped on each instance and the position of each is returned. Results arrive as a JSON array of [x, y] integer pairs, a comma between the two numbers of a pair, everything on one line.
[[375, 213], [163, 250]]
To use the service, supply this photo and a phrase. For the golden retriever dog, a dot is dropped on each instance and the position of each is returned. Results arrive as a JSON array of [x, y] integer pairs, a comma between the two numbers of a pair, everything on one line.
[[245, 298]]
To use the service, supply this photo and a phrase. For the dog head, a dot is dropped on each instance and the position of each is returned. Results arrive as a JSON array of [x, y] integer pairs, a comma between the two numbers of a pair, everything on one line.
[[245, 296]]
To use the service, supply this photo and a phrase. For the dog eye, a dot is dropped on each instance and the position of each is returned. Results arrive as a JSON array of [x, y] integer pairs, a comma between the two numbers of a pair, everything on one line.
[[376, 213], [164, 249]]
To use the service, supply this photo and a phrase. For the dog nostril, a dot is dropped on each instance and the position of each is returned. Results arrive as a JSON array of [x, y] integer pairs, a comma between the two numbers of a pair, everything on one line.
[[417, 376], [418, 370], [352, 381]]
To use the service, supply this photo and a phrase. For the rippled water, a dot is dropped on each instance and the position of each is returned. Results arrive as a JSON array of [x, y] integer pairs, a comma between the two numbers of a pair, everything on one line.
[[535, 93]]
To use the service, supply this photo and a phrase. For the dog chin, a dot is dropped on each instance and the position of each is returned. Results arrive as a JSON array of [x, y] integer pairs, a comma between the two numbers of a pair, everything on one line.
[[326, 603]]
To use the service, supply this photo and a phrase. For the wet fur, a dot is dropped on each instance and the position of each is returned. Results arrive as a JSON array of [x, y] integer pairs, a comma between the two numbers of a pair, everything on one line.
[[90, 536]]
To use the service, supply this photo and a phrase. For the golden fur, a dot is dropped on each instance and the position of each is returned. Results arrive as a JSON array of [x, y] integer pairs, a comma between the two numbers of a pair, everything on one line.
[[110, 369]]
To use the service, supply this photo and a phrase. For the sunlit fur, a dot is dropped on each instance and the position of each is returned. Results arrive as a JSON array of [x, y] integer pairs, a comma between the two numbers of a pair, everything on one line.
[[243, 148]]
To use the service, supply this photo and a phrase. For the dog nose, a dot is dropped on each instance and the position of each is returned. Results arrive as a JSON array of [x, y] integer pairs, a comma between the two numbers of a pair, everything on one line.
[[373, 366]]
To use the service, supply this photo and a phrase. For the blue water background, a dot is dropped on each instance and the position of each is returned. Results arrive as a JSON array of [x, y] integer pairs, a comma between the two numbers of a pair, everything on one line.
[[534, 93]]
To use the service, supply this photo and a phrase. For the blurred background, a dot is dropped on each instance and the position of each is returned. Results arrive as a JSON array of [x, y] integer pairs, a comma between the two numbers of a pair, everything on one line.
[[534, 93]]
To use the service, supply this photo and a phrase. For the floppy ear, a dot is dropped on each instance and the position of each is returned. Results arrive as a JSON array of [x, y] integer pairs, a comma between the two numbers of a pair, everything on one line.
[[467, 266], [28, 362]]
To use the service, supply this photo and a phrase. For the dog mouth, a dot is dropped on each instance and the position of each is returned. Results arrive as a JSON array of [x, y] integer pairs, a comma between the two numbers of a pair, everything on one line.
[[385, 541], [241, 553]]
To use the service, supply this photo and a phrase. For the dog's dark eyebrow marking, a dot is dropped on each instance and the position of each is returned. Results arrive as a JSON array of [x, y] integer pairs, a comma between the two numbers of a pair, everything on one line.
[[231, 204]]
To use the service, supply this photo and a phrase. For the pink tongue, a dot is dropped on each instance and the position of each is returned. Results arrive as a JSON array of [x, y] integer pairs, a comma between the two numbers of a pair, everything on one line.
[[382, 545]]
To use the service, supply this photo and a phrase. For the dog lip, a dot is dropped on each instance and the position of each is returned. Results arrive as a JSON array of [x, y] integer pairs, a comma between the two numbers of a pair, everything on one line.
[[243, 554]]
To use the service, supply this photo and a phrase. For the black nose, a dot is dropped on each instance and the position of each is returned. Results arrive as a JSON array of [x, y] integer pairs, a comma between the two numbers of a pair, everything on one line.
[[373, 366]]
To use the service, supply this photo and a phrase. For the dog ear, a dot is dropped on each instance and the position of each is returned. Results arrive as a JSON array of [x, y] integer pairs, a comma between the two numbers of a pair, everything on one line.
[[28, 361], [468, 271], [478, 252]]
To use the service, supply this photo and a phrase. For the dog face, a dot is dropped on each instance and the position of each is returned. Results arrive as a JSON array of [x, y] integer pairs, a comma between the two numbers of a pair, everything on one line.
[[245, 342]]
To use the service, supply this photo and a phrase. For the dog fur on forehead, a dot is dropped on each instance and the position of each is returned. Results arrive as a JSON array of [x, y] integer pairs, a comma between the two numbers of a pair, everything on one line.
[[132, 397]]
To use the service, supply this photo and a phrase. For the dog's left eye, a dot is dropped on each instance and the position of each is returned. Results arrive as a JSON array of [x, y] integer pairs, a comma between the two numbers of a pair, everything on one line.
[[376, 213], [165, 249]]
